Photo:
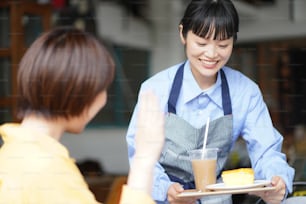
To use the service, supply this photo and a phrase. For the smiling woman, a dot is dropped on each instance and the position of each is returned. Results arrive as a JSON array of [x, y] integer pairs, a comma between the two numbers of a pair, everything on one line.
[[204, 87]]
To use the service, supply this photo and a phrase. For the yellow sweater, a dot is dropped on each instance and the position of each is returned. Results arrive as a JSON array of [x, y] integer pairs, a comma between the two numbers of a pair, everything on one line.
[[37, 169]]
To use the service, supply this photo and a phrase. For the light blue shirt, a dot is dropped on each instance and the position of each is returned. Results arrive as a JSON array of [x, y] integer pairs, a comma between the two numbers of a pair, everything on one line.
[[251, 120]]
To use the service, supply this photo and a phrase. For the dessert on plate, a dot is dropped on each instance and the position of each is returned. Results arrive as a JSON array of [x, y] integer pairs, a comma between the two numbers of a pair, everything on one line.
[[238, 177]]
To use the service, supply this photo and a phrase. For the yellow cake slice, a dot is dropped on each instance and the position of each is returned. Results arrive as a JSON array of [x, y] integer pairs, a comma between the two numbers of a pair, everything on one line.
[[238, 177]]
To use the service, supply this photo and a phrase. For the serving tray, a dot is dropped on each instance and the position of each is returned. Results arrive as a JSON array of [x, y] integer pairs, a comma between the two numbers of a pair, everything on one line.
[[195, 193]]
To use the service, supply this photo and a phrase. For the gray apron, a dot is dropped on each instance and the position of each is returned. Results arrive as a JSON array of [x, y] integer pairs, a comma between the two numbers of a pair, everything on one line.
[[182, 137]]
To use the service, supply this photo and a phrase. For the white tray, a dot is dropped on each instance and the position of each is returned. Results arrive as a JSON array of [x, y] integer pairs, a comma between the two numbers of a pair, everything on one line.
[[195, 193]]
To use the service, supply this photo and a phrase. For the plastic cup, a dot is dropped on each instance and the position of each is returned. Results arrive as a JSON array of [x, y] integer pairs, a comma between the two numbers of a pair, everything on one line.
[[204, 165]]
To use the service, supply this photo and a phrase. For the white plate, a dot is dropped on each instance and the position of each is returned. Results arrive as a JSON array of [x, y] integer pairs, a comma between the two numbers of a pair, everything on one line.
[[222, 186]]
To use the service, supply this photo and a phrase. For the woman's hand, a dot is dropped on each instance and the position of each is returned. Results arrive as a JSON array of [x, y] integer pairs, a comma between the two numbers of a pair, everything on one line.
[[276, 196], [149, 136], [149, 141], [176, 189]]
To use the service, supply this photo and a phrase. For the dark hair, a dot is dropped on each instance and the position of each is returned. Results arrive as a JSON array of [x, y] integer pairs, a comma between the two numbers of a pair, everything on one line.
[[62, 73], [203, 17]]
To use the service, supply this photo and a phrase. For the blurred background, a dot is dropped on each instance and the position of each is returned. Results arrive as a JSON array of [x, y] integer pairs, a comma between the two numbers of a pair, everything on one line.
[[142, 36]]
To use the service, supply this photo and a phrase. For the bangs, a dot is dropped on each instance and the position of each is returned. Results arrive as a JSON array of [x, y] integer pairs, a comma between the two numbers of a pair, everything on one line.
[[207, 18], [221, 29], [210, 23]]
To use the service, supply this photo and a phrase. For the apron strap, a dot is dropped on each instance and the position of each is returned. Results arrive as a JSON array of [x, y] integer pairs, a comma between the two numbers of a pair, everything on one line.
[[226, 99], [176, 88]]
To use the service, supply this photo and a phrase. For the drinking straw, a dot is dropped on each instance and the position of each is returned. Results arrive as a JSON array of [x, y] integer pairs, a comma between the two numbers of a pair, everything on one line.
[[205, 137]]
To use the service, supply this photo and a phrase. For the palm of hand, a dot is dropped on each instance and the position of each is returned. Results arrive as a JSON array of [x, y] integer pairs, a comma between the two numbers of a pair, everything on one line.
[[150, 127]]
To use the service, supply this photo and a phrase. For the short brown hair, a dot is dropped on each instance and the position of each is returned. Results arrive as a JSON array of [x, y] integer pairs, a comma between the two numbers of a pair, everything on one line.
[[62, 73]]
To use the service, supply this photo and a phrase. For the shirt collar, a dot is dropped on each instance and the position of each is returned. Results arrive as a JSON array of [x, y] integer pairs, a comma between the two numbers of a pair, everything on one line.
[[14, 132], [190, 88]]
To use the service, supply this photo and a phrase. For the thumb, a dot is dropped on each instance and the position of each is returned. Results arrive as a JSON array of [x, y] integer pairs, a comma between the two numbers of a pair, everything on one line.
[[275, 180], [178, 187]]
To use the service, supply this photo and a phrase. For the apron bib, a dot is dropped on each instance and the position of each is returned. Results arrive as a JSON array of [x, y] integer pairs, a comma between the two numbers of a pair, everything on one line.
[[182, 137]]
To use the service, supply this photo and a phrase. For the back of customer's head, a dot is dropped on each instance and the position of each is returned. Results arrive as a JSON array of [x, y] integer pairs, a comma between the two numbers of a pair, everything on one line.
[[61, 74], [211, 17]]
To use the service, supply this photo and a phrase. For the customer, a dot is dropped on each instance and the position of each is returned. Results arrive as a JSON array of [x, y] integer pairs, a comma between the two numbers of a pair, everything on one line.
[[204, 87], [62, 82]]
